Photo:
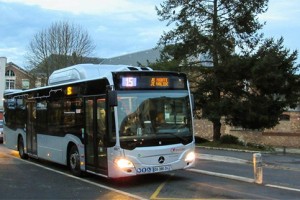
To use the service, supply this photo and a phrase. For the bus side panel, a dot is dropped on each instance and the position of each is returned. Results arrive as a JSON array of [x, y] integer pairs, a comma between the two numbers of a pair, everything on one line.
[[49, 148], [54, 148], [11, 138]]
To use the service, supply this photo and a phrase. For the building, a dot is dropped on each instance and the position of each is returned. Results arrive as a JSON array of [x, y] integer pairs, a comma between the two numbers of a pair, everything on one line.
[[17, 78], [13, 77], [3, 61], [141, 58]]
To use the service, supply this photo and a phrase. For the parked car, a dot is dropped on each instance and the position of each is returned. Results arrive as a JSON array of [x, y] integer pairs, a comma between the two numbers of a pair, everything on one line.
[[1, 131]]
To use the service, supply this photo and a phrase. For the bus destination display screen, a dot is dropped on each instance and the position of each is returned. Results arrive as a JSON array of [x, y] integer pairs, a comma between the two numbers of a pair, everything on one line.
[[151, 82]]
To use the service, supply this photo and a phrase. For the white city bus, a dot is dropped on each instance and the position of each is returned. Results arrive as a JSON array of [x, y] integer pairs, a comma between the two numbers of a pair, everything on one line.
[[109, 120]]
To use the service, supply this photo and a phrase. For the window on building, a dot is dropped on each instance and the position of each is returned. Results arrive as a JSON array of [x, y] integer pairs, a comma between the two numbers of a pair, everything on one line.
[[9, 73], [10, 79], [9, 84], [25, 83]]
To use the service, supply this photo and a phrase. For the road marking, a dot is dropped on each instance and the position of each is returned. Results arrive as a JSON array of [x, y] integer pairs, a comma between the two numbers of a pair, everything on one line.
[[160, 187], [239, 178], [81, 179], [283, 187], [155, 194]]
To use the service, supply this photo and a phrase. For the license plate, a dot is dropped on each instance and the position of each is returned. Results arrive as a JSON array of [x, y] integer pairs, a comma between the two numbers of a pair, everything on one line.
[[162, 168], [144, 170]]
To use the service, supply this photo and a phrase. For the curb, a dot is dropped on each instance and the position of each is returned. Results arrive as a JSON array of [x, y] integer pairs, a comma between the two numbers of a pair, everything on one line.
[[229, 149], [276, 150]]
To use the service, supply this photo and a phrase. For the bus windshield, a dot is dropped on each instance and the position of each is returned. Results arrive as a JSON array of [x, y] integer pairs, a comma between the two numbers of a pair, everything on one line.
[[154, 118]]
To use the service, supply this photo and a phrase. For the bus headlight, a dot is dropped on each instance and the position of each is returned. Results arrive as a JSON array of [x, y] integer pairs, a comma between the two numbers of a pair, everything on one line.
[[124, 163], [190, 157]]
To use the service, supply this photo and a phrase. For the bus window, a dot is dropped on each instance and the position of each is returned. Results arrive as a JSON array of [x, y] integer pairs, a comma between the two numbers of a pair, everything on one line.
[[72, 115], [54, 117], [41, 112], [101, 125]]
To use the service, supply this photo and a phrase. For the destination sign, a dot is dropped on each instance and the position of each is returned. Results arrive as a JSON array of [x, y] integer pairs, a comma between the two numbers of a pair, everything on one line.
[[159, 82], [151, 82]]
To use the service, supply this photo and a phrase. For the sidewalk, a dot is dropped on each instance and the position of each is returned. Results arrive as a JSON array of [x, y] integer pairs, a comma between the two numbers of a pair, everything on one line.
[[288, 159], [287, 150], [279, 170]]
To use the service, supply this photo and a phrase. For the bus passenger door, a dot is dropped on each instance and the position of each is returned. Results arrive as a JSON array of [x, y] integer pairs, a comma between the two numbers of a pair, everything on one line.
[[31, 136], [96, 134]]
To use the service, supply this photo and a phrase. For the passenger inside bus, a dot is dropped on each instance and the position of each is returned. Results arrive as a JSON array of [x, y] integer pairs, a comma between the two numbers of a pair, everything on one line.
[[101, 128], [101, 121], [160, 119]]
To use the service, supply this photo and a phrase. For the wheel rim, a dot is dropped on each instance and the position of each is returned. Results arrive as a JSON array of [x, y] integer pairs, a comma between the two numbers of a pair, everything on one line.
[[74, 159]]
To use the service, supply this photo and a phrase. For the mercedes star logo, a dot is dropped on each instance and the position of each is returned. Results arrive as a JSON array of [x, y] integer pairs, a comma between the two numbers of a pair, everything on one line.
[[161, 160]]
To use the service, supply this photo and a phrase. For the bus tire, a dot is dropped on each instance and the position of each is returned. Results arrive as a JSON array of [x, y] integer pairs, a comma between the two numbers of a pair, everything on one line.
[[74, 161], [21, 148]]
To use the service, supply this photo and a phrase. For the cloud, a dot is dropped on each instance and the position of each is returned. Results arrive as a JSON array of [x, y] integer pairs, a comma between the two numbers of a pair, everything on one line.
[[282, 21], [282, 11], [14, 54], [94, 7], [115, 26]]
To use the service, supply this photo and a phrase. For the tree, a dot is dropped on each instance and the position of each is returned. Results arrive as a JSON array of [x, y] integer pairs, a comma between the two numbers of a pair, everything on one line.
[[270, 86], [61, 45], [225, 33]]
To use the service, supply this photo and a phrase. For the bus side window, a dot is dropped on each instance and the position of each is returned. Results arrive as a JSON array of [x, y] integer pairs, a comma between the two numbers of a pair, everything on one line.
[[73, 119], [54, 116], [41, 113]]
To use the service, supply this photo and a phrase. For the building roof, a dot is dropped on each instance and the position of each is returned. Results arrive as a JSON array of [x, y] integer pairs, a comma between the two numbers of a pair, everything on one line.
[[11, 64], [141, 58]]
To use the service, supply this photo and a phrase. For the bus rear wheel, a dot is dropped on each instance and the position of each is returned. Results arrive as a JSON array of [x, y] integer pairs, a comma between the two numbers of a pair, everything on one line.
[[21, 149], [74, 161]]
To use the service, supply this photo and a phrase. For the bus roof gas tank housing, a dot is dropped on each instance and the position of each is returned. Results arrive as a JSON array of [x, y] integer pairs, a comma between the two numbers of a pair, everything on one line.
[[88, 72]]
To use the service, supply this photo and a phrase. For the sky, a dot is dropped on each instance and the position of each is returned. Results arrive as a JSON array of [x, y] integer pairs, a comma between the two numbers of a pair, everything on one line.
[[117, 27]]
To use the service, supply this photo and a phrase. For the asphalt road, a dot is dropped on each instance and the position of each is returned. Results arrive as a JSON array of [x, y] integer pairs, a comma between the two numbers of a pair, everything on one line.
[[280, 169], [21, 179], [36, 179]]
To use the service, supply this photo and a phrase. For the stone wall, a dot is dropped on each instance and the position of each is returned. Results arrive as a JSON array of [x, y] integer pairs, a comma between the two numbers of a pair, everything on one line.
[[285, 134]]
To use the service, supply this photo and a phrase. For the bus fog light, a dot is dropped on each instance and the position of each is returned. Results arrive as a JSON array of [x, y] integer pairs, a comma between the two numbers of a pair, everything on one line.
[[190, 157], [124, 163]]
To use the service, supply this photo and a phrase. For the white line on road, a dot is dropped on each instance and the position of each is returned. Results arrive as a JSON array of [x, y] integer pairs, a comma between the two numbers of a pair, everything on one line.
[[239, 178], [81, 179], [282, 187]]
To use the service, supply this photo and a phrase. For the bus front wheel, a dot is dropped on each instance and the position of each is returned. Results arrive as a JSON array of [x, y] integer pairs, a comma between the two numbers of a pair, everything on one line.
[[21, 148], [74, 161]]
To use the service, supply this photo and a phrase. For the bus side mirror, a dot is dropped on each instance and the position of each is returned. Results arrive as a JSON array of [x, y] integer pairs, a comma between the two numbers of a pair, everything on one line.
[[112, 98]]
